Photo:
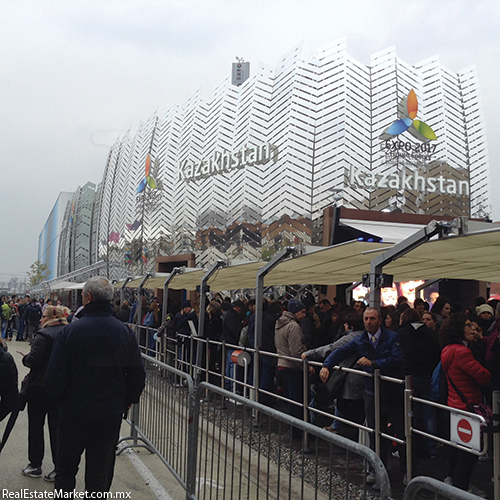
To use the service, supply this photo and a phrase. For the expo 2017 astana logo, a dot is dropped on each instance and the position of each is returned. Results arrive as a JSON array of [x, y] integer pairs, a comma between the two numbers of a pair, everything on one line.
[[407, 111], [148, 180]]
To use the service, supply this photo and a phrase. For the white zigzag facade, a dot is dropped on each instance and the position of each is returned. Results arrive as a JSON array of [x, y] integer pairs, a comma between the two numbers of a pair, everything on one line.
[[251, 168]]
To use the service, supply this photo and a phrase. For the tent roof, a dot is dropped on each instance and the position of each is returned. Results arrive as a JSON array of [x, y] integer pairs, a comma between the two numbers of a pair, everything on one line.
[[339, 264], [473, 256], [468, 257], [63, 285]]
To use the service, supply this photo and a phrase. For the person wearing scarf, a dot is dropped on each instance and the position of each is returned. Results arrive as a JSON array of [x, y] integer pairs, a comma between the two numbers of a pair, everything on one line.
[[39, 403]]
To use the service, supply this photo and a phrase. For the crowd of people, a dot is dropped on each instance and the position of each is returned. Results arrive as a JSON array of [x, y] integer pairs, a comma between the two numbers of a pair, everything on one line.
[[451, 353], [85, 371], [445, 348]]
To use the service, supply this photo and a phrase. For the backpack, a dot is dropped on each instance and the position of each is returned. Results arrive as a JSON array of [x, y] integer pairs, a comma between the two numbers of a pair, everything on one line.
[[34, 313], [243, 340], [6, 312], [439, 385]]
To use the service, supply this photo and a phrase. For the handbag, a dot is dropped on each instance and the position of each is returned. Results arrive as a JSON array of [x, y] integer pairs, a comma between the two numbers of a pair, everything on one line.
[[335, 383], [481, 409]]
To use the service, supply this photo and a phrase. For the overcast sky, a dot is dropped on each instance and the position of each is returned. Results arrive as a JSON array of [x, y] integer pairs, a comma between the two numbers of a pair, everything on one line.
[[75, 75]]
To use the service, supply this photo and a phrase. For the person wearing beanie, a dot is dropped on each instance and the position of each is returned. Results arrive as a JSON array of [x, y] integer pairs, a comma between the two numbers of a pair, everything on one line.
[[294, 306], [289, 342], [485, 311], [489, 326]]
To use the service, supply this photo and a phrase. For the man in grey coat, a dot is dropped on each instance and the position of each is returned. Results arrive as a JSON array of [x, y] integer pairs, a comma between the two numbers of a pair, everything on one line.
[[289, 342]]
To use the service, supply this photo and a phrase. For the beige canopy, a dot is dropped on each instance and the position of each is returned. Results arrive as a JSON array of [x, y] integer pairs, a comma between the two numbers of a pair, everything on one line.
[[474, 256]]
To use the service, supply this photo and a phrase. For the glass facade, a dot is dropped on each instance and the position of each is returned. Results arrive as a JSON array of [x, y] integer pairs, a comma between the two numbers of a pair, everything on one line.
[[50, 237]]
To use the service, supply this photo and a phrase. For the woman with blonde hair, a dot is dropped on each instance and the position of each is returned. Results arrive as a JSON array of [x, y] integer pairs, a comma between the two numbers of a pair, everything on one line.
[[39, 404]]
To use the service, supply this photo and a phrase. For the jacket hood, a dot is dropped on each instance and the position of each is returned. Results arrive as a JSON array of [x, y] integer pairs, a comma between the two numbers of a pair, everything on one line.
[[286, 318]]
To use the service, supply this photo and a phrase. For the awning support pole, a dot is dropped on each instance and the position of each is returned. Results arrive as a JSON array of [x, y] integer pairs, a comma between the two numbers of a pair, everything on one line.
[[203, 297], [139, 298], [348, 291], [402, 248], [259, 298], [419, 288], [172, 275], [122, 289], [203, 305]]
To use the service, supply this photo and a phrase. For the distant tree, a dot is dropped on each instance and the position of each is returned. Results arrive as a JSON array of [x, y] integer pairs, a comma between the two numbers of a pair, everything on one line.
[[38, 272]]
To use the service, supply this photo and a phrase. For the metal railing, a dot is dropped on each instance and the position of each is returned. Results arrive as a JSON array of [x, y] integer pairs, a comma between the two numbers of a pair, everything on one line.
[[224, 453], [205, 372], [442, 490]]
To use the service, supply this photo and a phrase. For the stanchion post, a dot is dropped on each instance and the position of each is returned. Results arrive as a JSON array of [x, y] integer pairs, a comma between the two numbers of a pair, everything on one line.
[[408, 424], [376, 396], [203, 306], [305, 401], [122, 289], [259, 298]]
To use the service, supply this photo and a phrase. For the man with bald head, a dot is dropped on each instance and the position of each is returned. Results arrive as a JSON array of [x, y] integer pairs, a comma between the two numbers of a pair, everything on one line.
[[378, 348]]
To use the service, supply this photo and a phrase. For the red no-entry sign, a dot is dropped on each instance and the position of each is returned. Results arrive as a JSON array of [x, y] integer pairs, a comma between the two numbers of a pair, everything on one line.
[[464, 430]]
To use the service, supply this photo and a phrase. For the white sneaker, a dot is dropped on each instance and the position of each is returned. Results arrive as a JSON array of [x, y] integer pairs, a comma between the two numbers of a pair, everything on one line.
[[31, 471], [50, 477]]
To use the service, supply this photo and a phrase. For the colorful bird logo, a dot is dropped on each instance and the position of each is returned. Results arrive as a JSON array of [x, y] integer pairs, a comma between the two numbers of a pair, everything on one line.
[[148, 180], [407, 111]]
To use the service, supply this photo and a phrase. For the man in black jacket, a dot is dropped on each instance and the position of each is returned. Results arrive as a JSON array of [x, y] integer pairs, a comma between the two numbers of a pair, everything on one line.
[[96, 373]]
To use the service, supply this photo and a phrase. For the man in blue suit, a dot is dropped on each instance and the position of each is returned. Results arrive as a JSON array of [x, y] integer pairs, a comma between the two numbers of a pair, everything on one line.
[[378, 348]]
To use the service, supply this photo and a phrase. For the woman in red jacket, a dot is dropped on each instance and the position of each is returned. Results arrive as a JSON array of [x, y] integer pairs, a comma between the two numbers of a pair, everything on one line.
[[464, 373]]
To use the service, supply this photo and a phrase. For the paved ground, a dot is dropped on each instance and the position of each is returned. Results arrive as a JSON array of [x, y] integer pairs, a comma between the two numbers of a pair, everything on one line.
[[144, 476], [139, 473]]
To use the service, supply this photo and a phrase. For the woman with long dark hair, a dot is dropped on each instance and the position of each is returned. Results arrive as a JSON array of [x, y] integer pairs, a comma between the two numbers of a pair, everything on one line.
[[441, 309], [465, 377]]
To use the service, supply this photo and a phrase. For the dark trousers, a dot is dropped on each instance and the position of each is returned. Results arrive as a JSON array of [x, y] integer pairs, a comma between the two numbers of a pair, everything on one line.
[[391, 410], [354, 410], [39, 405], [267, 376], [20, 329], [461, 465], [31, 328], [98, 438], [293, 381]]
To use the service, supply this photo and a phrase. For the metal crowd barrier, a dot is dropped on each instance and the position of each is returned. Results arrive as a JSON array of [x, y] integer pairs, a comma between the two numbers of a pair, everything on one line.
[[224, 454], [163, 416], [419, 484], [187, 364], [236, 458]]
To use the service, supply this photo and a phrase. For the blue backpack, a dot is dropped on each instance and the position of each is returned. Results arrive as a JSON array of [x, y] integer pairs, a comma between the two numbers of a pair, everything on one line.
[[439, 385]]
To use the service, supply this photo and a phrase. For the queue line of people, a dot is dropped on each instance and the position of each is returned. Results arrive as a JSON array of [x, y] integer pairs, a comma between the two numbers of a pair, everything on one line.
[[399, 340]]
